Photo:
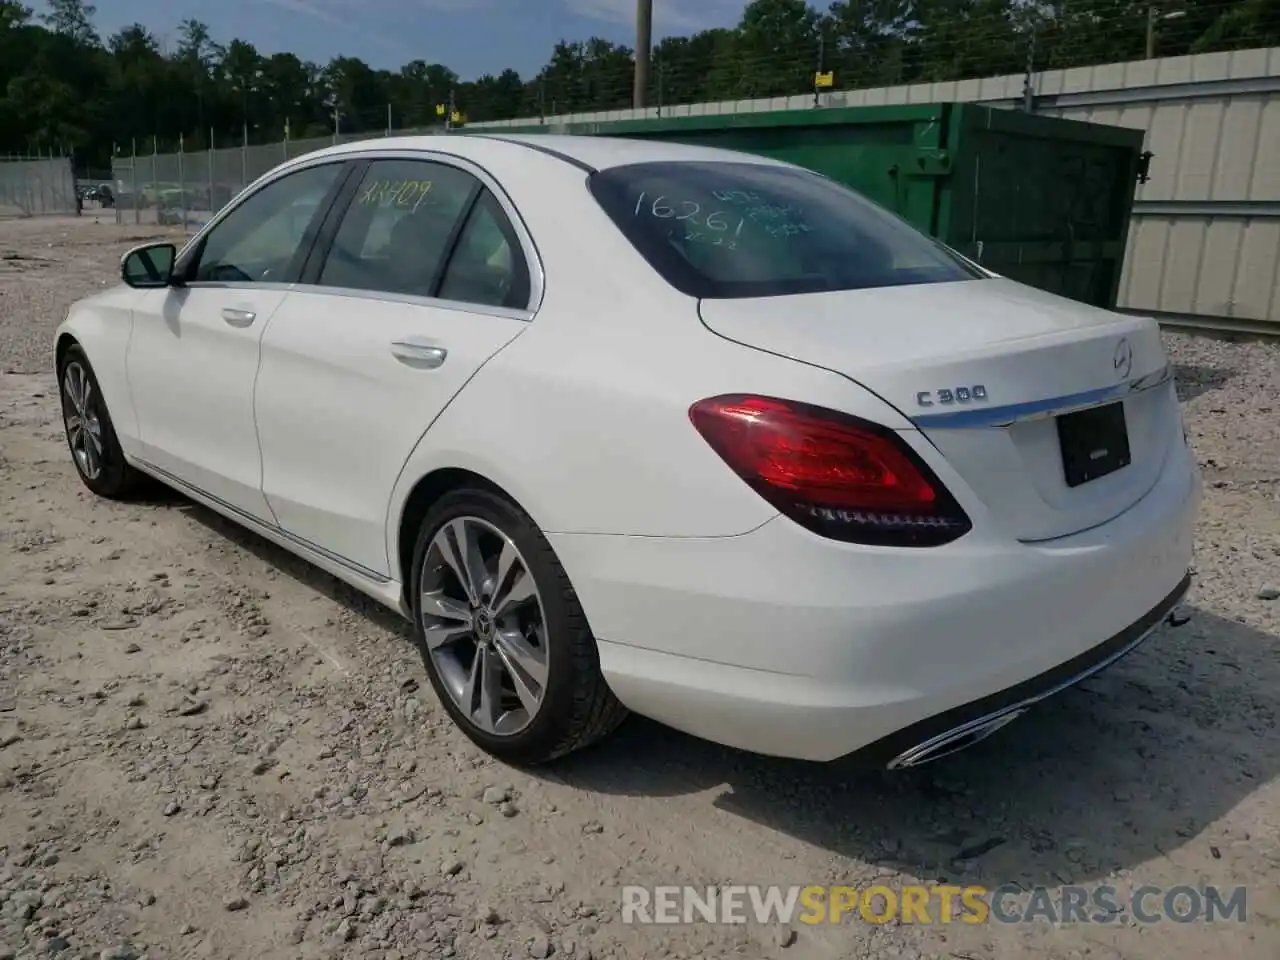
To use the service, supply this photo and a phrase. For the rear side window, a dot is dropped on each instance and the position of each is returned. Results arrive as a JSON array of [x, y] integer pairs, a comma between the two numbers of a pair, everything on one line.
[[487, 266], [723, 230]]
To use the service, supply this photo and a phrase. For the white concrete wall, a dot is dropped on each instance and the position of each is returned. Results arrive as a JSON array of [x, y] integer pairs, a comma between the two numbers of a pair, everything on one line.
[[36, 186]]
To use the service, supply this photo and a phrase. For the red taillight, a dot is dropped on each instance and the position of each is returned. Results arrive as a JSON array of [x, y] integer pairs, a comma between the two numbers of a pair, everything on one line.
[[835, 474]]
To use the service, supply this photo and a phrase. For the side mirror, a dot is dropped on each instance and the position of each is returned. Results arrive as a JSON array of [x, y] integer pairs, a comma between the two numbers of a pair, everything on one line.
[[150, 266]]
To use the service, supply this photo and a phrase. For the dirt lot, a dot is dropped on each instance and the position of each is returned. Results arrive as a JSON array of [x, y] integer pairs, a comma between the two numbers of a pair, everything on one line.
[[209, 749]]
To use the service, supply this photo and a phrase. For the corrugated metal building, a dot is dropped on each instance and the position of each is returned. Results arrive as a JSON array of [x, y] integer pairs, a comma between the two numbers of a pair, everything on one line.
[[1206, 234], [1205, 239]]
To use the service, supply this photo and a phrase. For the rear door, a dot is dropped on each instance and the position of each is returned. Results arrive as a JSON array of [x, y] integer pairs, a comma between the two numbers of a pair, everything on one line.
[[418, 279]]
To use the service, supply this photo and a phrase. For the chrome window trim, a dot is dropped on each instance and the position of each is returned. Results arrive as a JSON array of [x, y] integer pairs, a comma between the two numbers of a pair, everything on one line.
[[383, 296], [1009, 414], [237, 285], [375, 296]]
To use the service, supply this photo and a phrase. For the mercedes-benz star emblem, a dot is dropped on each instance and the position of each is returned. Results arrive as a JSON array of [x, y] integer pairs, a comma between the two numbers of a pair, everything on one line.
[[1123, 359]]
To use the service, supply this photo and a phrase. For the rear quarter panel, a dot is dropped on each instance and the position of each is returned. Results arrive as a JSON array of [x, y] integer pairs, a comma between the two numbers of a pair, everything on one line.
[[584, 418], [591, 432]]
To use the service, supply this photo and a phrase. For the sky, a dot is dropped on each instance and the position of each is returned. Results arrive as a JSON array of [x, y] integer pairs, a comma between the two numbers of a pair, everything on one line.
[[471, 37]]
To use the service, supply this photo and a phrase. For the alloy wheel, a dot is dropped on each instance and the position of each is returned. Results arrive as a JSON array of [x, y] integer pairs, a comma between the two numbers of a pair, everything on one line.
[[484, 625], [84, 426]]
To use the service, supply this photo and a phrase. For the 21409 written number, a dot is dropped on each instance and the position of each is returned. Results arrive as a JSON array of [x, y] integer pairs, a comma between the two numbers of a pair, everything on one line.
[[398, 193]]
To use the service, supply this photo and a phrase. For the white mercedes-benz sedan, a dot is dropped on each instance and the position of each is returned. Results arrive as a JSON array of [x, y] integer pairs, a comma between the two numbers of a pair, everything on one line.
[[625, 425]]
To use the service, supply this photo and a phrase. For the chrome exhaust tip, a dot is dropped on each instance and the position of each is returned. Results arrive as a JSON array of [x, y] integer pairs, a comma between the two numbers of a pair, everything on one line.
[[954, 740], [974, 731]]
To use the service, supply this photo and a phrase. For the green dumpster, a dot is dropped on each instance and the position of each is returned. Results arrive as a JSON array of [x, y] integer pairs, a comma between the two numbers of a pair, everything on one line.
[[1041, 200]]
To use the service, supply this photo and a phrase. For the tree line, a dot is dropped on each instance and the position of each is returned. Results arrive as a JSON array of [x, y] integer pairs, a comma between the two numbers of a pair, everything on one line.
[[65, 88]]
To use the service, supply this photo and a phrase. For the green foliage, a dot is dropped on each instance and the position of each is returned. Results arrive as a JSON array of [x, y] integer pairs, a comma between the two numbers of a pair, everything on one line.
[[62, 88]]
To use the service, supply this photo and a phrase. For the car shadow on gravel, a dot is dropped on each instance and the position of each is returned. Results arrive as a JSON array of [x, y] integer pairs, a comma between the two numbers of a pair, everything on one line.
[[288, 564], [1130, 765], [1192, 380]]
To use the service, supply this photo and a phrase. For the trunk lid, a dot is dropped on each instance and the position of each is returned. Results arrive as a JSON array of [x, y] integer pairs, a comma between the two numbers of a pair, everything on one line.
[[986, 369]]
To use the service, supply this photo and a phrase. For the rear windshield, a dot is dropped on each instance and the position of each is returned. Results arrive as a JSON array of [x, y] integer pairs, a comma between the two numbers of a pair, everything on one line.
[[723, 229]]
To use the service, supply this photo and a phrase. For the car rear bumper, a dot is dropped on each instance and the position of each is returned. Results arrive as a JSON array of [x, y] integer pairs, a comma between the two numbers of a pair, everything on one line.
[[965, 725], [782, 643]]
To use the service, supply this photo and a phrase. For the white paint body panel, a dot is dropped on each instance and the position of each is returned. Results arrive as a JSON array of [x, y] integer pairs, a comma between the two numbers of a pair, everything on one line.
[[1020, 344], [713, 613], [338, 413], [191, 375], [782, 643], [591, 434], [103, 325]]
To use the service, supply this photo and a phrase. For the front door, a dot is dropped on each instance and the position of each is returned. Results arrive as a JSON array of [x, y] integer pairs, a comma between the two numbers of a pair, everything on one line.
[[193, 354], [424, 281]]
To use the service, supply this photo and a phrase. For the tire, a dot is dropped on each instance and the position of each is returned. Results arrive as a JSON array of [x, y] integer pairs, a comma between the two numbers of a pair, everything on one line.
[[102, 468], [576, 707]]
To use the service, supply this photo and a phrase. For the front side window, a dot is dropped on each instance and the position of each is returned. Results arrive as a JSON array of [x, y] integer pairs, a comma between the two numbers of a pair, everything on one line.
[[727, 229], [397, 230], [257, 241]]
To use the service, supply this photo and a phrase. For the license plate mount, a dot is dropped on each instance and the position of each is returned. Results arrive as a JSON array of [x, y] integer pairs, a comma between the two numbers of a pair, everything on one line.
[[1094, 442]]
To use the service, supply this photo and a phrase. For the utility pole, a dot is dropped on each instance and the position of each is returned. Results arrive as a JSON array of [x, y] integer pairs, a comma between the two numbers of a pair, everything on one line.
[[644, 43], [822, 57], [1154, 16], [1028, 82]]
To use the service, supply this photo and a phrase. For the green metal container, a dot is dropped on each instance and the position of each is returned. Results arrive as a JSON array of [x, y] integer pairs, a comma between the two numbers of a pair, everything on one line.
[[1037, 199]]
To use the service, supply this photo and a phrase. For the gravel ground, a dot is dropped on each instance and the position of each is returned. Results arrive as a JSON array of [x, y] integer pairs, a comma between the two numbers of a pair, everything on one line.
[[209, 749], [46, 264]]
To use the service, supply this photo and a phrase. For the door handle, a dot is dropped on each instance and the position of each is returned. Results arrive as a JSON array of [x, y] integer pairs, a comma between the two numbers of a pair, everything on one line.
[[418, 354], [238, 318]]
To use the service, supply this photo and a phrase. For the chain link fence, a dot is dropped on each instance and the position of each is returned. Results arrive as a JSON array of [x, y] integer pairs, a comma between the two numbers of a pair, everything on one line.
[[185, 189], [35, 186]]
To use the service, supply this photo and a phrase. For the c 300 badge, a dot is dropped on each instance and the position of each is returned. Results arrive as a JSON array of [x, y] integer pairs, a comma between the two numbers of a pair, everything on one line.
[[975, 392]]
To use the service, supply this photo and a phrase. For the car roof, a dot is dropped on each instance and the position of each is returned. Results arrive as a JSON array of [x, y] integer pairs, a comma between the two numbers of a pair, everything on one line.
[[604, 152], [596, 153]]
